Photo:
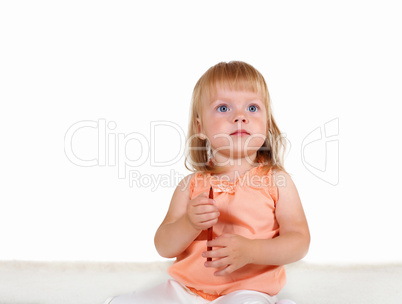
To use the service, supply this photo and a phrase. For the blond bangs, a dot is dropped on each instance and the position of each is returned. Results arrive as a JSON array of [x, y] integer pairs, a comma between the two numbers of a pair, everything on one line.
[[235, 75]]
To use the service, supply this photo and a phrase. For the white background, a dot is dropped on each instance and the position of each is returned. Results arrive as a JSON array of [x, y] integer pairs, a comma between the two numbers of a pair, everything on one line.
[[129, 64]]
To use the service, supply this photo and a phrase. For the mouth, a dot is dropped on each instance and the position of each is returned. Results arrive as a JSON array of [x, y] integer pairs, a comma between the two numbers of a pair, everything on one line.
[[241, 132]]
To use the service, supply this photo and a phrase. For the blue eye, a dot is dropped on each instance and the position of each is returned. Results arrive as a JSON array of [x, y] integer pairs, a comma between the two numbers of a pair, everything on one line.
[[223, 109], [253, 108]]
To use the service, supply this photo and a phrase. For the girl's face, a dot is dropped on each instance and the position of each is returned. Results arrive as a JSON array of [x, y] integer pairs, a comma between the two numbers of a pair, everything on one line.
[[235, 123]]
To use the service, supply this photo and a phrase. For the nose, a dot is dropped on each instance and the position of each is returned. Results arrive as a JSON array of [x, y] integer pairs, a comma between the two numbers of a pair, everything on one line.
[[240, 118]]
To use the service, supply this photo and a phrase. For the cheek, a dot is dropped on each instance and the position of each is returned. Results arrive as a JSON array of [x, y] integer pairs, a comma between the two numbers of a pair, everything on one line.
[[255, 142], [222, 141], [258, 138], [214, 126]]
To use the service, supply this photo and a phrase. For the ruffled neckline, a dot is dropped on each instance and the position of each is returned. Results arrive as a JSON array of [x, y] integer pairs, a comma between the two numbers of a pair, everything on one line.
[[221, 185]]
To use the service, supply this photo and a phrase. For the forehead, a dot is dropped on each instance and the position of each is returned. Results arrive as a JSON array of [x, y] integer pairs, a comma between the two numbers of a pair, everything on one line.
[[234, 95]]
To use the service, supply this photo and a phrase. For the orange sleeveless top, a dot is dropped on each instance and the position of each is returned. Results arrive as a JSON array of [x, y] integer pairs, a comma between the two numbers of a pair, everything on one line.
[[247, 208]]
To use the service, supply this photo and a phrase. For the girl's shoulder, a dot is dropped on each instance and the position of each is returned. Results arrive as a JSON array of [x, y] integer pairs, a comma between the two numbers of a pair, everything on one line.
[[281, 177], [184, 184], [284, 183]]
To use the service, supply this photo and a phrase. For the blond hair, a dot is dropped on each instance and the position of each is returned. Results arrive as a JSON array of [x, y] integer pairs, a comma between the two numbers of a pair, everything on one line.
[[234, 75]]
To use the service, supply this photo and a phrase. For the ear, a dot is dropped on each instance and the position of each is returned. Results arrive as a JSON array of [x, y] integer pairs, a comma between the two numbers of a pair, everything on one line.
[[201, 135], [198, 125]]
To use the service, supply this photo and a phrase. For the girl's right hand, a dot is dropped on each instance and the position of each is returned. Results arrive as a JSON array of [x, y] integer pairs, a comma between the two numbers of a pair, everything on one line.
[[202, 212]]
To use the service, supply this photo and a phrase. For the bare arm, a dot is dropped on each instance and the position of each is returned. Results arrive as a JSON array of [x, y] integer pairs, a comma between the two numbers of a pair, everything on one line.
[[184, 220], [294, 237]]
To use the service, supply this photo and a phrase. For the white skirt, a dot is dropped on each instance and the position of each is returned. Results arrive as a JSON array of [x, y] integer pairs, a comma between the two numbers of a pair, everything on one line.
[[173, 292]]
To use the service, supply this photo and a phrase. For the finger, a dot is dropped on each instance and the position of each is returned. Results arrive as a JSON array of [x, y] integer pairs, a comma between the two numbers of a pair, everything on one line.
[[201, 209], [206, 224], [215, 253], [225, 271], [208, 217], [219, 263], [204, 201], [220, 241]]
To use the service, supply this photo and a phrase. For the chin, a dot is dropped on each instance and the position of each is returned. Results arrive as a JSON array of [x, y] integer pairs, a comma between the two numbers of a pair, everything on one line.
[[235, 155]]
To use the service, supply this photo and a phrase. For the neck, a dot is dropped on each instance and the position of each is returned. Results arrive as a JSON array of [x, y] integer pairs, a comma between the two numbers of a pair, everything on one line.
[[233, 166]]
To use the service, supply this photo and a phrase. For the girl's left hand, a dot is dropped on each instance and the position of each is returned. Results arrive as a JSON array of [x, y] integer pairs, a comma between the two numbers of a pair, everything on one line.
[[231, 253]]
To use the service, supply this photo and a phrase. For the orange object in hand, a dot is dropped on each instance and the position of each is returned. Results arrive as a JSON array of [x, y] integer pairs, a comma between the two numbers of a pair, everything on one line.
[[210, 229]]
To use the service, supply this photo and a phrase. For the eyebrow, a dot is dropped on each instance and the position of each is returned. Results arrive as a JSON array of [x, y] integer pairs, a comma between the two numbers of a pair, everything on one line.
[[229, 101]]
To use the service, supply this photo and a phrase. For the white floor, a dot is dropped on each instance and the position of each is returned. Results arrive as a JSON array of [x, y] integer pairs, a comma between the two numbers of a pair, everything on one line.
[[92, 283]]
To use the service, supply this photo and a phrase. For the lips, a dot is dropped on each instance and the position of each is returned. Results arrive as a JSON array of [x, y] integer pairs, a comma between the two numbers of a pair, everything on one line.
[[240, 132]]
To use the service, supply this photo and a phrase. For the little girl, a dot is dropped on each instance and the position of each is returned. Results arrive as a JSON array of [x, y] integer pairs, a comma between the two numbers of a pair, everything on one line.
[[234, 146]]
